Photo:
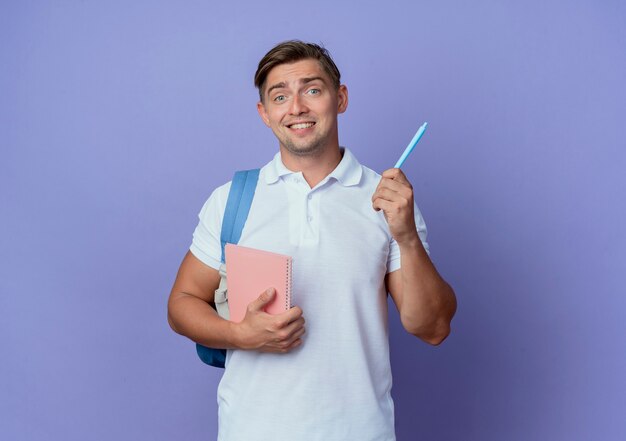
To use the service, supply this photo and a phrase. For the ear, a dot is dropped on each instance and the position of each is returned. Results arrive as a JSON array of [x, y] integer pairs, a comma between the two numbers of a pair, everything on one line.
[[262, 113], [342, 98]]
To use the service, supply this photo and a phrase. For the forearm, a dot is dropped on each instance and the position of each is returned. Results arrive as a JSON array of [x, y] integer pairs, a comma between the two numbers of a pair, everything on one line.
[[192, 317], [427, 302], [189, 313], [196, 319]]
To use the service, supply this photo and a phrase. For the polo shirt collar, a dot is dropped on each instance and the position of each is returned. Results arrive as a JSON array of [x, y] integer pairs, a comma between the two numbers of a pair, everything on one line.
[[348, 172]]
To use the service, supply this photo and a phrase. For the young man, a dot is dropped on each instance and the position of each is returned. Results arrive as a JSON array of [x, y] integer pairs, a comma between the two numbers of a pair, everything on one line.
[[354, 236]]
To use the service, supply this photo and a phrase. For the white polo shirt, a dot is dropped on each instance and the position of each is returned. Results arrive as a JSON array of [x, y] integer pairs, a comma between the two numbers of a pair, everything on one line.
[[337, 384]]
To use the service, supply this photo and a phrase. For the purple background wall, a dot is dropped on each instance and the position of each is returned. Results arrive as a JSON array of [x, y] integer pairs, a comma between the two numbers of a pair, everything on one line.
[[117, 119]]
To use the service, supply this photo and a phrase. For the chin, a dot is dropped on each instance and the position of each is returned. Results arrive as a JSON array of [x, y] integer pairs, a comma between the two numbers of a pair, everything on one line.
[[304, 150]]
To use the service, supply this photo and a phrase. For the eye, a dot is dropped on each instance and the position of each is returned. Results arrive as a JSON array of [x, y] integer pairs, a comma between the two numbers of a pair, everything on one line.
[[280, 98], [313, 91]]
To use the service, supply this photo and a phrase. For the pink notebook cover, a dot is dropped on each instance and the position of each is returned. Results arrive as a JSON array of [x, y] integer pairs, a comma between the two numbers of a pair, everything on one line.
[[249, 272]]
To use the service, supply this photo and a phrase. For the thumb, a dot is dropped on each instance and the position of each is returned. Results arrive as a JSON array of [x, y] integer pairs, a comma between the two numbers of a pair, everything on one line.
[[266, 297]]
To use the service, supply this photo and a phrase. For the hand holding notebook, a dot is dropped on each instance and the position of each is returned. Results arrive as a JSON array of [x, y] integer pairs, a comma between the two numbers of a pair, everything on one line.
[[250, 272]]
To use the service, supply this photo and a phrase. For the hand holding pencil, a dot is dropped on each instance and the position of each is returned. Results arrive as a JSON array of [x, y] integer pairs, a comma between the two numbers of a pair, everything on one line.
[[394, 195]]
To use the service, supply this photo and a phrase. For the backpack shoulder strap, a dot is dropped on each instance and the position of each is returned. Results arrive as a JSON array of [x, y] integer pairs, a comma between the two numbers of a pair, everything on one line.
[[238, 205], [237, 208]]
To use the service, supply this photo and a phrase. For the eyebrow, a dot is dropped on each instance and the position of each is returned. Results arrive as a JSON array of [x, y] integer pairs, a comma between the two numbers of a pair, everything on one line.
[[302, 81]]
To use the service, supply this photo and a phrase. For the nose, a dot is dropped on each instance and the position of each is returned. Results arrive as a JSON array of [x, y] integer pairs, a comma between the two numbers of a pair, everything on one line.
[[298, 106]]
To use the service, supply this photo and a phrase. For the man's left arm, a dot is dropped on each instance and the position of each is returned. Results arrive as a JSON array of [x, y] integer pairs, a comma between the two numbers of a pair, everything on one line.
[[424, 299]]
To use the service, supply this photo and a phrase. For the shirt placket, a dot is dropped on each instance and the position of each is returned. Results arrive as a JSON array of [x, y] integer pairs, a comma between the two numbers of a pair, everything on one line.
[[306, 202], [312, 219]]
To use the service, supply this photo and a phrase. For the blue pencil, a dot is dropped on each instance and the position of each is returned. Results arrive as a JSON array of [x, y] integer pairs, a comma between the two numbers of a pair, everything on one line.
[[411, 145]]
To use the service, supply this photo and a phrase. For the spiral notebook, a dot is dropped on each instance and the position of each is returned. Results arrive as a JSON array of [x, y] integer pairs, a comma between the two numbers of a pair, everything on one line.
[[249, 272]]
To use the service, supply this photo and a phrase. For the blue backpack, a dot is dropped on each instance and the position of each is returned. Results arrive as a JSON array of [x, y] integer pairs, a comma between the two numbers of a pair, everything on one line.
[[237, 208]]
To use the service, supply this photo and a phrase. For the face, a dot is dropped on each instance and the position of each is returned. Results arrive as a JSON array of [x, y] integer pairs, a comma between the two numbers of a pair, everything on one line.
[[300, 105]]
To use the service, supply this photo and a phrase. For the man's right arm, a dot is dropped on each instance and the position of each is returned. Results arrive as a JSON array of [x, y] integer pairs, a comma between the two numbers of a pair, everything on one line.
[[190, 314]]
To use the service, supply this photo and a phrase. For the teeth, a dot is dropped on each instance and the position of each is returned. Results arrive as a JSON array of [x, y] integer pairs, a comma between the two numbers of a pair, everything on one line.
[[302, 125]]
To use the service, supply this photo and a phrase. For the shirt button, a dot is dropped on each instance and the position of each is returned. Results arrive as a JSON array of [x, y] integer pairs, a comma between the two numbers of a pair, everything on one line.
[[310, 218], [310, 197]]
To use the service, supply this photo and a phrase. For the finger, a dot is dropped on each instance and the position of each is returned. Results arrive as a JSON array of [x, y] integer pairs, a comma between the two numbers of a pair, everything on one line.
[[386, 206], [281, 349], [396, 174], [394, 185], [294, 344], [282, 346], [259, 303], [285, 344], [390, 195], [286, 328], [293, 328], [286, 336], [284, 318], [378, 189], [392, 204], [283, 337], [404, 190], [296, 335], [297, 342]]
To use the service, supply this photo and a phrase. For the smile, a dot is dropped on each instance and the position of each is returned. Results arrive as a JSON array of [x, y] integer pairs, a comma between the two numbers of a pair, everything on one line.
[[304, 125]]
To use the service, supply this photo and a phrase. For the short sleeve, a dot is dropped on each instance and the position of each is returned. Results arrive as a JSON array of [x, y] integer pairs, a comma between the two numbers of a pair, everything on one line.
[[393, 261], [206, 245]]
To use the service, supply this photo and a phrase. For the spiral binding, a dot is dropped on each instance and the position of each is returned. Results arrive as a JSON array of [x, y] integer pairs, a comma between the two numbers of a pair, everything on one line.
[[288, 287]]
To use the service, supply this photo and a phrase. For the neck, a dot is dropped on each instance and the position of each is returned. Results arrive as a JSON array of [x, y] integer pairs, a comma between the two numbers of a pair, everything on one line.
[[314, 167]]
